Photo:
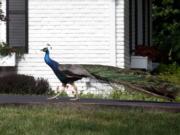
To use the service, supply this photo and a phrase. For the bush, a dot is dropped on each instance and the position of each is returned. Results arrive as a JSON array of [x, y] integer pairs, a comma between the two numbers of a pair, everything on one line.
[[170, 73], [63, 94], [91, 95], [22, 84], [6, 50], [168, 69]]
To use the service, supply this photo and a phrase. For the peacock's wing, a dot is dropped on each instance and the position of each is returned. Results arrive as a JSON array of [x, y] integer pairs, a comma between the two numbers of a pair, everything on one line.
[[74, 70]]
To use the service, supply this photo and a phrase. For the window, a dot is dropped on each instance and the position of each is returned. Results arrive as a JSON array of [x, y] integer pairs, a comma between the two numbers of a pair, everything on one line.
[[17, 24]]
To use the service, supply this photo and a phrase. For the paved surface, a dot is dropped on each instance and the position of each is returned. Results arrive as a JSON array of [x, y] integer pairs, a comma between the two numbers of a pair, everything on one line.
[[21, 100]]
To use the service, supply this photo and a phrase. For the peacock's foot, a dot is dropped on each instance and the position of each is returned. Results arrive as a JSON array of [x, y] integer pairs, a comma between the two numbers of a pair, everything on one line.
[[75, 99], [53, 97]]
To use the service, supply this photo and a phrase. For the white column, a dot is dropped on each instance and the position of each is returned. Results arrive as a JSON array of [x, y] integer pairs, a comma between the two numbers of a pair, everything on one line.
[[120, 33], [113, 34]]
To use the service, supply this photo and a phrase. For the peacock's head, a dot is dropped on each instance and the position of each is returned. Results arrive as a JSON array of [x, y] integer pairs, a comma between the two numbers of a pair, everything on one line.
[[44, 49]]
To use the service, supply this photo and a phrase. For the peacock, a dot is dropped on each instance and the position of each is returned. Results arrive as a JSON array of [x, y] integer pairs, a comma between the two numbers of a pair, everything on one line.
[[66, 73], [69, 73]]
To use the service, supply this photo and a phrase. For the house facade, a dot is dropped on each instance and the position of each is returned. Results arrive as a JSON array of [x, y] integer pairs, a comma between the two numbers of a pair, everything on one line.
[[101, 32]]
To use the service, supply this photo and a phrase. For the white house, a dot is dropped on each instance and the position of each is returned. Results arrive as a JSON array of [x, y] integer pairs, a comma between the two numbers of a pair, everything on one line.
[[80, 31]]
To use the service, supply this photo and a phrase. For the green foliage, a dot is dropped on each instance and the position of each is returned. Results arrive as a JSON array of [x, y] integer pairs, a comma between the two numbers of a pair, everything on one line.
[[5, 49], [2, 17], [166, 29], [63, 94], [88, 95], [91, 95], [22, 84], [170, 73], [168, 69], [145, 80], [133, 95], [113, 73], [123, 95], [116, 94]]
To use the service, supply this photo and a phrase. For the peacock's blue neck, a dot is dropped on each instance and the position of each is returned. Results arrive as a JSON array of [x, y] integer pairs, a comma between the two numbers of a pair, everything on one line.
[[47, 59], [53, 64]]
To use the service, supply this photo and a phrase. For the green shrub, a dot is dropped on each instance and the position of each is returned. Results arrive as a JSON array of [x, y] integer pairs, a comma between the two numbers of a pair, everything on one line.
[[132, 95], [91, 95], [168, 69], [22, 84], [116, 94], [63, 94], [170, 73]]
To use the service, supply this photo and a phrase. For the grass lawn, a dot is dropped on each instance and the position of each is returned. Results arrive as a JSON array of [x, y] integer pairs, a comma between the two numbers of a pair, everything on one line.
[[83, 120]]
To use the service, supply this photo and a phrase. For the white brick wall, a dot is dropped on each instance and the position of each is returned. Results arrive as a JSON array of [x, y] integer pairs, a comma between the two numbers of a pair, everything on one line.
[[76, 29]]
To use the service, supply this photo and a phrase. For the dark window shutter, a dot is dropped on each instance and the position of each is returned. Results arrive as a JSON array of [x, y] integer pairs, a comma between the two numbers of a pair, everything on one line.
[[17, 23]]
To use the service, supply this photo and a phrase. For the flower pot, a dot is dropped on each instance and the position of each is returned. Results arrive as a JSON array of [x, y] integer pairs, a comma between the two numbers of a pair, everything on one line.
[[8, 61], [141, 62]]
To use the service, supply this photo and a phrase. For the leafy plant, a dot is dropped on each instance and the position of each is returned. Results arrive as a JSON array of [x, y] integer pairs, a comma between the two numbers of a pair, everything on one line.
[[170, 73], [2, 17], [132, 95], [5, 50], [22, 84], [63, 94], [166, 29], [91, 95], [168, 69]]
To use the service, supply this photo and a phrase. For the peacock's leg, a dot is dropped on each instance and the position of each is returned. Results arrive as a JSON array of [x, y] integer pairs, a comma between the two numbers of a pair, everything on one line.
[[57, 95], [76, 92]]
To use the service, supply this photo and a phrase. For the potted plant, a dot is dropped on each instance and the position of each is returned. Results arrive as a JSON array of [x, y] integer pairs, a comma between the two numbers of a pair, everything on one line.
[[7, 55], [144, 57]]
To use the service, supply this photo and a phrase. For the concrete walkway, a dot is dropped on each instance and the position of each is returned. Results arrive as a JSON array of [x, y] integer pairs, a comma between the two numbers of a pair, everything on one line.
[[33, 100]]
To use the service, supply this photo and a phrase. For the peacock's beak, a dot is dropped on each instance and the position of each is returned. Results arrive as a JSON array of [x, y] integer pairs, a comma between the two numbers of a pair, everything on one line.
[[43, 50]]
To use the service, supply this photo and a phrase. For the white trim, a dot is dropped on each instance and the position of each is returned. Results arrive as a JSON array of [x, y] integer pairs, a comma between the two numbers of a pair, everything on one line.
[[113, 33]]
